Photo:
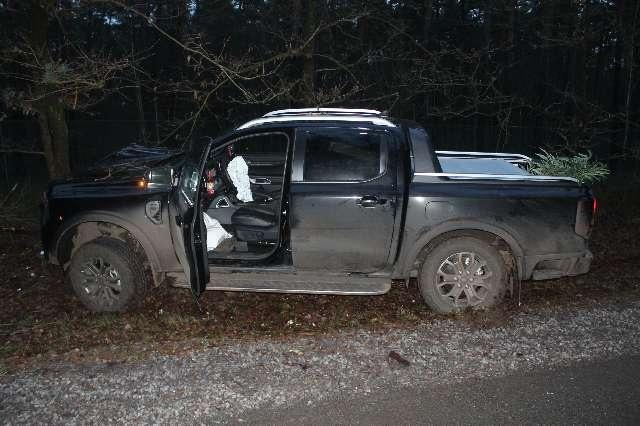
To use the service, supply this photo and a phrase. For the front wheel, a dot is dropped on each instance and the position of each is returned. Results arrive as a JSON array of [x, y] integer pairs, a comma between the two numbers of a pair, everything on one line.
[[463, 272], [107, 275]]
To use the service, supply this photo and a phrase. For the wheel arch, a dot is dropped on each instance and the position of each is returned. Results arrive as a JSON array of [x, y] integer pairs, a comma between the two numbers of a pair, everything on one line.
[[485, 231], [90, 226]]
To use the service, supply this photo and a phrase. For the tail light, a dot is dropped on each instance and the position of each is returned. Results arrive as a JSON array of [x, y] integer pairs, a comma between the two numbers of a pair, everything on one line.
[[594, 208]]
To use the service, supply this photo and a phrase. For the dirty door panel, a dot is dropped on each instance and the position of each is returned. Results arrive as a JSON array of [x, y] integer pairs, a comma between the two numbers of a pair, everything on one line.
[[343, 199]]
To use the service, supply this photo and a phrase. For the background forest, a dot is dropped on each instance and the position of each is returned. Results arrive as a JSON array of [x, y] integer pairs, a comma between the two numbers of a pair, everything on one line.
[[81, 78]]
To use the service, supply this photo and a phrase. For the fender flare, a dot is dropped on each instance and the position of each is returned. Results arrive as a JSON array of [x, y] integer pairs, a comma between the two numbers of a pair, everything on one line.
[[429, 235], [109, 217]]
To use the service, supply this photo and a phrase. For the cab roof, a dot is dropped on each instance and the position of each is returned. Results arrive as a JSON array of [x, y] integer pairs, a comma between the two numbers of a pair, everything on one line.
[[320, 115]]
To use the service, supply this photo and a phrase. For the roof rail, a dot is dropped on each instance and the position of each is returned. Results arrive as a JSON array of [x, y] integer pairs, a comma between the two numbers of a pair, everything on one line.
[[332, 111], [379, 121]]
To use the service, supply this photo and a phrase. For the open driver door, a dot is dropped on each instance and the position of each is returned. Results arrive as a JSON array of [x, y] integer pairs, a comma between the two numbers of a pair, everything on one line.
[[188, 231]]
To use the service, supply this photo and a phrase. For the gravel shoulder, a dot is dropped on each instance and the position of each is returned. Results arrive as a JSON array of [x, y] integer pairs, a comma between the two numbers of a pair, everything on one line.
[[228, 382]]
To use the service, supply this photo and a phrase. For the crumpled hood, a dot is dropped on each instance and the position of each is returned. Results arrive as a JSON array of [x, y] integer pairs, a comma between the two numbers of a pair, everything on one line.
[[124, 170], [131, 162]]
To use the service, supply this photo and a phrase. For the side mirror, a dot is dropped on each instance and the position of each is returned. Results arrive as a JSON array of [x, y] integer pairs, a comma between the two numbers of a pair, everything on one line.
[[161, 177]]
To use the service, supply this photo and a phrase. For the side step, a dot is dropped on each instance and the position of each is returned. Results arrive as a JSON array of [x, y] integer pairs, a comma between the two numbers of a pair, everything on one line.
[[297, 282]]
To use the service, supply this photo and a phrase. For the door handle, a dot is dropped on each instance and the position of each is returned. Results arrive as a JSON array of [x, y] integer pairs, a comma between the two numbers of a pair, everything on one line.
[[369, 201], [260, 181]]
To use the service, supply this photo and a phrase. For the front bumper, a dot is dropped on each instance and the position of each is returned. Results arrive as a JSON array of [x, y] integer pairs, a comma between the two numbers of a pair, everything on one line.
[[547, 267]]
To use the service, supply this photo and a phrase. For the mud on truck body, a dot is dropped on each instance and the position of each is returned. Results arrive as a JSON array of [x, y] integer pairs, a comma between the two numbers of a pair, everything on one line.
[[339, 201]]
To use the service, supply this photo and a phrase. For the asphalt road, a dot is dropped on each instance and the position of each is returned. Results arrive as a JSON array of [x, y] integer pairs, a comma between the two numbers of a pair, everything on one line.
[[588, 393]]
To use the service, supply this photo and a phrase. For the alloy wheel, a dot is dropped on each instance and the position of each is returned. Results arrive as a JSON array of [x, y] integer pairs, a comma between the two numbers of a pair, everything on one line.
[[101, 280], [464, 279]]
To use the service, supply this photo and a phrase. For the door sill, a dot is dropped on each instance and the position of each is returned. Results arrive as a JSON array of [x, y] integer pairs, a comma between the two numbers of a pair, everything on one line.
[[270, 281], [282, 269]]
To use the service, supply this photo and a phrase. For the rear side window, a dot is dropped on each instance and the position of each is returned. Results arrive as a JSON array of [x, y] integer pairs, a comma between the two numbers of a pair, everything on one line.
[[344, 155]]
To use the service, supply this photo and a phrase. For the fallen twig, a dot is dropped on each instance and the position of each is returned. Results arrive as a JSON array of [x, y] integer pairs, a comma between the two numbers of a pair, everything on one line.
[[399, 358]]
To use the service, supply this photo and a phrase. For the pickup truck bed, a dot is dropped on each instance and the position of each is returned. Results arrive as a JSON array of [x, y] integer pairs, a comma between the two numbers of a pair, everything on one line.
[[479, 165], [544, 220]]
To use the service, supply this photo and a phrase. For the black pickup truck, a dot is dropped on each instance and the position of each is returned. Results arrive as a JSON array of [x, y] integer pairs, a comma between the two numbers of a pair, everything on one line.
[[342, 201]]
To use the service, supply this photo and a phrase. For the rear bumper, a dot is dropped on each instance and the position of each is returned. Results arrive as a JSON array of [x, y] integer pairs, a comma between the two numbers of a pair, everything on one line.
[[550, 266]]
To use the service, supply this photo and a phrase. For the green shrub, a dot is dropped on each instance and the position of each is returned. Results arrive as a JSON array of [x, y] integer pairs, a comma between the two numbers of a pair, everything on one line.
[[579, 166]]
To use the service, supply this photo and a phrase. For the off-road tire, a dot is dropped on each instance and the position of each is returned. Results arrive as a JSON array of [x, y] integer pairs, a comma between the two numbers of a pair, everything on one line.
[[438, 295], [129, 275]]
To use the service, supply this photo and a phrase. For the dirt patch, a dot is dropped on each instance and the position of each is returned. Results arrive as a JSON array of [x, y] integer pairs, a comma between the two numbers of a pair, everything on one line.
[[41, 320]]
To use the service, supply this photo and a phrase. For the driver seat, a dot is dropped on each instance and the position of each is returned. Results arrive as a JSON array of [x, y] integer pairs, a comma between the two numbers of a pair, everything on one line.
[[254, 223]]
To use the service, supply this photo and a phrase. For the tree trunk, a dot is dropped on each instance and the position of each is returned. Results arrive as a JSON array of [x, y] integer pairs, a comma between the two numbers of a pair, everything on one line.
[[296, 19], [137, 41], [55, 138], [426, 20], [47, 145], [50, 110], [142, 123], [303, 23], [309, 64], [630, 47], [615, 149]]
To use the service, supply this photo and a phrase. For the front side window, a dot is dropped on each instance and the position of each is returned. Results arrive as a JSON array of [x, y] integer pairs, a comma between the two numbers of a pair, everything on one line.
[[189, 182], [343, 155]]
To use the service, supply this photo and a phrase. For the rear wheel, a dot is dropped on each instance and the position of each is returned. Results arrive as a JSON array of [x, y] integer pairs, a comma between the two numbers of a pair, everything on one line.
[[463, 272], [107, 275]]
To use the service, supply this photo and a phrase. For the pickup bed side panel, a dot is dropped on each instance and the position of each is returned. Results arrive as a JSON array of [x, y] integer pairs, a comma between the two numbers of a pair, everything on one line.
[[536, 220]]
